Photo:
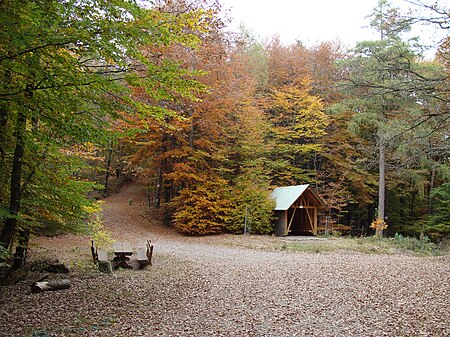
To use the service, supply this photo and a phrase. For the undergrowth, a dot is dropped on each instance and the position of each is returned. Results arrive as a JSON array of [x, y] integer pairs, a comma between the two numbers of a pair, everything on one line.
[[368, 245]]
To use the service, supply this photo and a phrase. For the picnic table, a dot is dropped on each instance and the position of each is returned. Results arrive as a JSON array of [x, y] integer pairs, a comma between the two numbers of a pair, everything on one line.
[[122, 251]]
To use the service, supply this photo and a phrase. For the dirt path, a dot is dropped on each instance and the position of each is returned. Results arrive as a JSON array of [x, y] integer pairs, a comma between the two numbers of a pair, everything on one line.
[[127, 216], [209, 287]]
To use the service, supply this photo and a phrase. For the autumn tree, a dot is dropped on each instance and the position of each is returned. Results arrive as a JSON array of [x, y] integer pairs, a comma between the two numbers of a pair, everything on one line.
[[63, 68], [185, 151], [298, 122], [251, 175]]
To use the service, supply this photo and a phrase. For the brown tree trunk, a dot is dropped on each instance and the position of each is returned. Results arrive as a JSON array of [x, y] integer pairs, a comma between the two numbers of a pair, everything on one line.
[[108, 164], [4, 115], [433, 177], [3, 123], [159, 183], [15, 189], [20, 257]]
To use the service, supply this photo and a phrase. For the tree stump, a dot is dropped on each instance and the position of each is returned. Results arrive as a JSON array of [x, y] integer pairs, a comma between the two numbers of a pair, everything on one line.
[[38, 287], [105, 266]]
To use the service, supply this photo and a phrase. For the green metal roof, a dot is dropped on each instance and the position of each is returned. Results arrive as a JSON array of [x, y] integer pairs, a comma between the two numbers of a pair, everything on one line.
[[286, 196]]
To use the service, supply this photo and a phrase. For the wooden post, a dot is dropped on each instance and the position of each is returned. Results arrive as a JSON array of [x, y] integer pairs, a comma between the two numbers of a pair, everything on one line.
[[310, 220], [285, 222], [290, 222], [315, 221]]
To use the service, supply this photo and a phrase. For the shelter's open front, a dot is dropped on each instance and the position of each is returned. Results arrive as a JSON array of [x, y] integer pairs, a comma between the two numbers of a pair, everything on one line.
[[296, 210]]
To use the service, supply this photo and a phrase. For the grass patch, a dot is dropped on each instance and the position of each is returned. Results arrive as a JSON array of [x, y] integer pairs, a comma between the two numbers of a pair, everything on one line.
[[367, 245], [309, 247]]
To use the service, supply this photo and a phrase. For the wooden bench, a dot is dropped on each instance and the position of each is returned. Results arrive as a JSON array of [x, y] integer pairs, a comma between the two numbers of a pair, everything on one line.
[[102, 255], [142, 257], [98, 254], [104, 265]]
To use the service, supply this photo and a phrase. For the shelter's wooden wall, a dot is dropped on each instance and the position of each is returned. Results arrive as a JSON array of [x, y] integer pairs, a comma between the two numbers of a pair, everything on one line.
[[281, 223]]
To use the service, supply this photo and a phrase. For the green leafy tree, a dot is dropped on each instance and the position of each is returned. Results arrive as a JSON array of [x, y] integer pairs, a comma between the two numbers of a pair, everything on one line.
[[251, 176], [438, 223], [252, 204], [64, 66], [389, 88]]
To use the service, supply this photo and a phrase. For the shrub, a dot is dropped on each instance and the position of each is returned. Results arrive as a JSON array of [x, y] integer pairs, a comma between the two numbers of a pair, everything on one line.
[[251, 199], [411, 243], [203, 208], [5, 255], [99, 234]]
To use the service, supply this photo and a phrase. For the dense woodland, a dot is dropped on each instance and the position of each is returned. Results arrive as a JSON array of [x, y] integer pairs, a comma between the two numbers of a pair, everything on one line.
[[159, 92]]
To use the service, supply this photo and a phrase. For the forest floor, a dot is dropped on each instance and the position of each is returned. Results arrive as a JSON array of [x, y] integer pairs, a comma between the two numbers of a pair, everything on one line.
[[227, 285]]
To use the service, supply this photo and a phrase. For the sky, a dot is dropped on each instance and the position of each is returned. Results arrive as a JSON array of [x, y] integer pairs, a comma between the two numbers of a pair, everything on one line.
[[308, 21]]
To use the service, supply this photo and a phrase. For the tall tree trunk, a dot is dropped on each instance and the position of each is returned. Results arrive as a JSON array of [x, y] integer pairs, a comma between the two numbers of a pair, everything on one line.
[[3, 135], [108, 164], [159, 183], [433, 177], [3, 123], [15, 189], [4, 114], [413, 203], [381, 182], [4, 110], [20, 256], [191, 131]]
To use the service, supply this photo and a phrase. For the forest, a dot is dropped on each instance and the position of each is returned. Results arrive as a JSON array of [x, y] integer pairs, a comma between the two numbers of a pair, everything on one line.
[[97, 92]]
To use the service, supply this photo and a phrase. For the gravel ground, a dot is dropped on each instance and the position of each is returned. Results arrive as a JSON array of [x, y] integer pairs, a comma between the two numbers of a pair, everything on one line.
[[207, 287]]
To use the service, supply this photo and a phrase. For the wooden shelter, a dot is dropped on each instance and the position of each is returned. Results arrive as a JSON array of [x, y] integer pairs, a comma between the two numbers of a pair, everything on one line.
[[296, 210]]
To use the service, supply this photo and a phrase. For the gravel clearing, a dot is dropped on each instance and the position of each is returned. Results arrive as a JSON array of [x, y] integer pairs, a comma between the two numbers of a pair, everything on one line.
[[208, 287]]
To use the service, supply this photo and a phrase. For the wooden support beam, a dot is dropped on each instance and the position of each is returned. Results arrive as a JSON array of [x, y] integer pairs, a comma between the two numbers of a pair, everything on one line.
[[315, 221], [290, 222], [310, 220], [285, 222]]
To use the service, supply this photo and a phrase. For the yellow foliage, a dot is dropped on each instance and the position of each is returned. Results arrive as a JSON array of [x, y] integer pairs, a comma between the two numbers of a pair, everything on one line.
[[94, 208], [379, 225], [99, 234]]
